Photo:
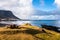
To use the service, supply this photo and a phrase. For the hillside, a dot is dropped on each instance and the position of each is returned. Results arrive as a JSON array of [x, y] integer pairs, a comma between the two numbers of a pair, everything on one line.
[[7, 15], [27, 32]]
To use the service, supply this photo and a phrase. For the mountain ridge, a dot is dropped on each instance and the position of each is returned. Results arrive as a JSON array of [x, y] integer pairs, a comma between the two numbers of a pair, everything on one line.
[[7, 15]]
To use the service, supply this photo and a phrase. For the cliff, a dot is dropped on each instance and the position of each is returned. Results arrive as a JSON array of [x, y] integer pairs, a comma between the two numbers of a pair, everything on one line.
[[7, 15]]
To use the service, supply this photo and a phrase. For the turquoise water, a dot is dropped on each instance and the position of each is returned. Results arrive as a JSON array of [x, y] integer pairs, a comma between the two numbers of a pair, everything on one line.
[[36, 23], [46, 22]]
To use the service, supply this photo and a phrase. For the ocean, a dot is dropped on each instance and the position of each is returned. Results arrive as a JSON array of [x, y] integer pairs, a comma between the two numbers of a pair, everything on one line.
[[35, 22]]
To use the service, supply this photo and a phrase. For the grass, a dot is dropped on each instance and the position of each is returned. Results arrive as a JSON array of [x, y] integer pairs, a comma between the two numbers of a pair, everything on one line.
[[20, 36], [45, 36], [49, 35], [17, 34], [29, 33]]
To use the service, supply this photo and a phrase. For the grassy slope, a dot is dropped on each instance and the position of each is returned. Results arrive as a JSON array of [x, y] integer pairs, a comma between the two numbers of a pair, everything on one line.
[[29, 33]]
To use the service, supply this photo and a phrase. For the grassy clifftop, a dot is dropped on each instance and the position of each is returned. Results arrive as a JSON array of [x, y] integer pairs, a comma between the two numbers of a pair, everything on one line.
[[27, 32]]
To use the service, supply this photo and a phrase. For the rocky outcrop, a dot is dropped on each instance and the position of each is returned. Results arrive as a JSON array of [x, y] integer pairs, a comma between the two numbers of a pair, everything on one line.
[[53, 28]]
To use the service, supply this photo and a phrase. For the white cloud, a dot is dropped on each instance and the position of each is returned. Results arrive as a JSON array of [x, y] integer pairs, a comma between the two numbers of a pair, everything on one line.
[[20, 8], [14, 22], [45, 17], [57, 2]]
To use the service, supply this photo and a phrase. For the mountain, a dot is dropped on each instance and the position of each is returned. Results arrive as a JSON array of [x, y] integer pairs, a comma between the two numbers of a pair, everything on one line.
[[7, 15]]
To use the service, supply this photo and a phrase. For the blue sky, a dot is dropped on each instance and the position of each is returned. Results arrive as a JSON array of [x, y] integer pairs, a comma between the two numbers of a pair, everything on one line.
[[44, 5], [33, 9]]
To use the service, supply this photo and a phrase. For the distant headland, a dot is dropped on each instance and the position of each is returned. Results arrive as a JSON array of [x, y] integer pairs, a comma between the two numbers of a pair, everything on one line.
[[6, 15]]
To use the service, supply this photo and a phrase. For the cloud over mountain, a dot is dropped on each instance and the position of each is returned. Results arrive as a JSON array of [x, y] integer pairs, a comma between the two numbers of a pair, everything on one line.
[[20, 8], [24, 9]]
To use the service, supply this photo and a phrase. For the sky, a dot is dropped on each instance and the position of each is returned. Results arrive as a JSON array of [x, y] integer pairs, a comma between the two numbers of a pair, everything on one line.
[[45, 5], [33, 9]]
